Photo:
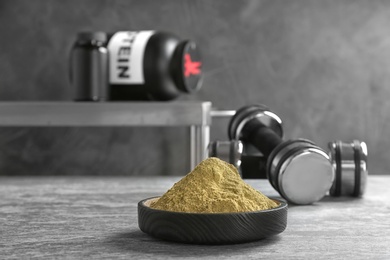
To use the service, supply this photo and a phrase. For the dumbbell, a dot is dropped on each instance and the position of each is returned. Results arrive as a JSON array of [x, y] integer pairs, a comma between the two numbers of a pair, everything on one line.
[[349, 160], [350, 163], [298, 169]]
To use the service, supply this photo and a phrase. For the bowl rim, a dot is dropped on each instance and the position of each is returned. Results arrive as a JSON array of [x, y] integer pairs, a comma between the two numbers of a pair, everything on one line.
[[282, 205]]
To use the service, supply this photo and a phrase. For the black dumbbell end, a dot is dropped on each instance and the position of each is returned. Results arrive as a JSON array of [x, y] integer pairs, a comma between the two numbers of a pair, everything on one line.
[[350, 163], [258, 126], [300, 171], [228, 151]]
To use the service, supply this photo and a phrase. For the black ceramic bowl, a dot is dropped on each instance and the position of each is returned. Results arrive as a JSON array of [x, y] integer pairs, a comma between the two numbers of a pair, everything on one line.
[[211, 228]]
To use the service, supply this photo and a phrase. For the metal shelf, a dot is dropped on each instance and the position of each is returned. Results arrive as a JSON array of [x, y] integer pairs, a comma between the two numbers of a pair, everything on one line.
[[196, 115]]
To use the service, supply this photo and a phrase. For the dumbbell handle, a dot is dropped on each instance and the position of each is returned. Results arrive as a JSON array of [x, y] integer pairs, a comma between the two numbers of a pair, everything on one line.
[[260, 136]]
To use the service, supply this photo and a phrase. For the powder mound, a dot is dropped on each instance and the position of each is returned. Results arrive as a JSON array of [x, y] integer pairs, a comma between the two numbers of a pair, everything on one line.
[[214, 186]]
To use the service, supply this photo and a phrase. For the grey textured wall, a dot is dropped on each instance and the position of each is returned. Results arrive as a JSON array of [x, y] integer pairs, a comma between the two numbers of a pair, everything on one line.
[[323, 66]]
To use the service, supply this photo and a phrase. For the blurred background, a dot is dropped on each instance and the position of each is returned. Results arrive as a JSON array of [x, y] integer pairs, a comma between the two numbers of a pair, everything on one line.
[[322, 66]]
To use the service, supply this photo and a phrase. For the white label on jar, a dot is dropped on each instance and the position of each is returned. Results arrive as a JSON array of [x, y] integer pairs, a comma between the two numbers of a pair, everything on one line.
[[126, 52]]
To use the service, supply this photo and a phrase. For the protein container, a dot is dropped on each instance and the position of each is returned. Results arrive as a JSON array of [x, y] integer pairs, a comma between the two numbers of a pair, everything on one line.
[[152, 65]]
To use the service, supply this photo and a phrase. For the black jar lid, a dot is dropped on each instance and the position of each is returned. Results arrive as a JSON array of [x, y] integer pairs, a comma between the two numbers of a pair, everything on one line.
[[86, 37], [187, 67]]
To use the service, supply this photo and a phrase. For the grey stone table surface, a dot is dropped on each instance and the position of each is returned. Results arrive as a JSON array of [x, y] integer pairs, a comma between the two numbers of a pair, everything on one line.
[[96, 217]]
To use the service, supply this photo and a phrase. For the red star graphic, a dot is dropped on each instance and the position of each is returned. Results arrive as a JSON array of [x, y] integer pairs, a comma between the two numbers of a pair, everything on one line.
[[191, 67]]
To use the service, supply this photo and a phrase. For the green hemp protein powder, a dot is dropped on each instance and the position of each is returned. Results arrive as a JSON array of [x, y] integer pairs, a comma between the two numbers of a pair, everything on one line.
[[214, 186]]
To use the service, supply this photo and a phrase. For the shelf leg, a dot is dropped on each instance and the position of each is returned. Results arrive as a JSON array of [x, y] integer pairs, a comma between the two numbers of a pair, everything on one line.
[[200, 138]]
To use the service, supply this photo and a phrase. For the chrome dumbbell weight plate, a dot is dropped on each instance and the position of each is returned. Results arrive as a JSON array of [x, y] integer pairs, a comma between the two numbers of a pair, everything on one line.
[[350, 163], [300, 171]]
